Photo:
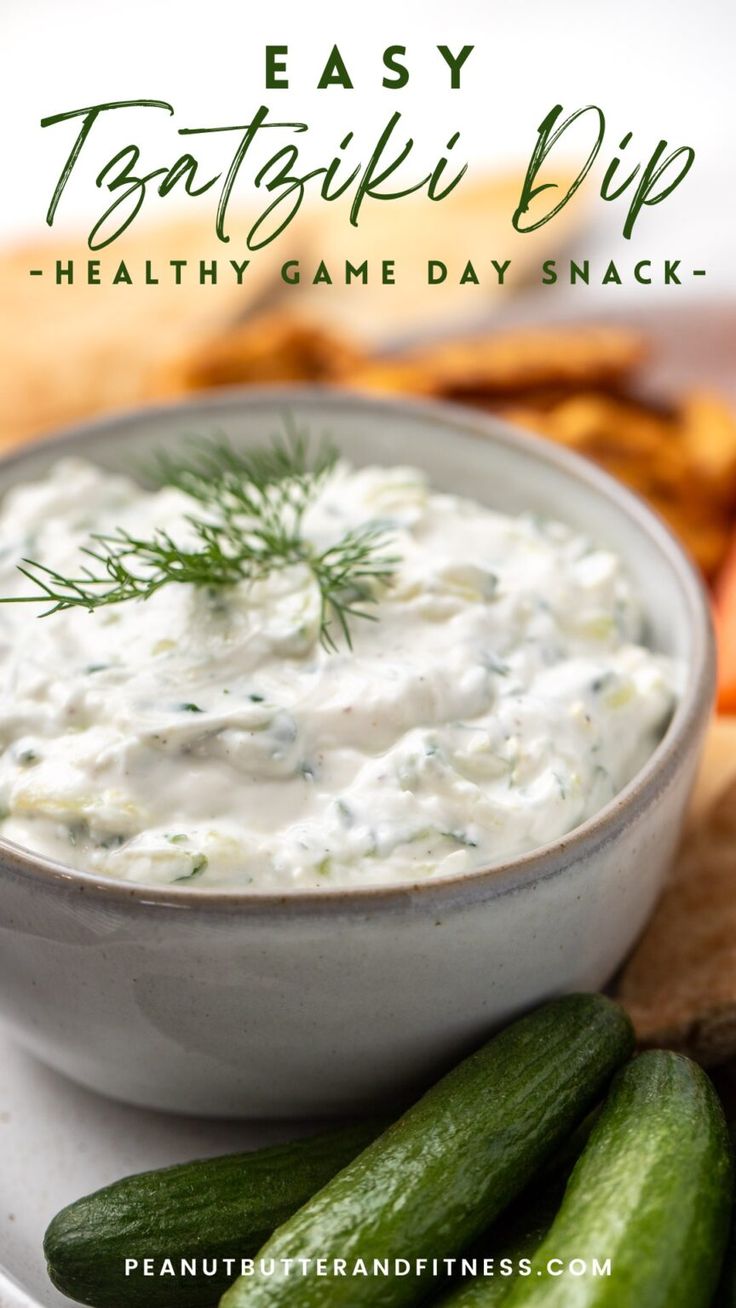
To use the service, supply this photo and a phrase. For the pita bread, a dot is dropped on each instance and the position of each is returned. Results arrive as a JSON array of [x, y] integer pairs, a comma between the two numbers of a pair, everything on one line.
[[680, 984], [72, 351]]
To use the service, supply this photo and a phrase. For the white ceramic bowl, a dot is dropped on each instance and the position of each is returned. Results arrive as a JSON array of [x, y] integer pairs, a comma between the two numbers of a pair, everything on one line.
[[323, 1002]]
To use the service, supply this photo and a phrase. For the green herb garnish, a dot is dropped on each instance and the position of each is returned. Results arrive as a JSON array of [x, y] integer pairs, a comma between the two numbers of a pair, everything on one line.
[[252, 507]]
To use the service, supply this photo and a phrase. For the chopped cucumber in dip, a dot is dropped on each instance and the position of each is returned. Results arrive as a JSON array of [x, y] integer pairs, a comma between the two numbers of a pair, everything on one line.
[[502, 694]]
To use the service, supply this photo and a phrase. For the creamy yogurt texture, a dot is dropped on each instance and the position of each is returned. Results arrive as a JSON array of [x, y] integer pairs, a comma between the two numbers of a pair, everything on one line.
[[503, 696]]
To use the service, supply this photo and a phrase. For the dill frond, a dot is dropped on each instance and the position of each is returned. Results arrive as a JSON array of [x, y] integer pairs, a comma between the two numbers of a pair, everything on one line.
[[253, 505]]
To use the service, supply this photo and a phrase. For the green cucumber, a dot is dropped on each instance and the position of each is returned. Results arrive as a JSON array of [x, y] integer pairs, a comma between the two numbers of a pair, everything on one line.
[[505, 1250], [493, 1290], [518, 1235], [726, 1295], [651, 1192], [217, 1208], [725, 1081], [438, 1177]]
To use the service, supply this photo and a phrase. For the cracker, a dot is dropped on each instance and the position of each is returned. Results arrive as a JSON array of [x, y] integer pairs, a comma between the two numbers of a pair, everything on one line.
[[396, 375], [265, 348], [708, 426], [643, 447], [531, 359]]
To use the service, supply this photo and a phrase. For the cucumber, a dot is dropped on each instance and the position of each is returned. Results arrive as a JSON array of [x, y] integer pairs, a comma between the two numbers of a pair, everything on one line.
[[218, 1208], [520, 1231], [726, 1294], [506, 1249], [493, 1290], [651, 1192], [439, 1176]]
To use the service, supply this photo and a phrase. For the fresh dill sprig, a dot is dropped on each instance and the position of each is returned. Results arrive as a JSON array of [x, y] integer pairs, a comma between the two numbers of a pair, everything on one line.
[[348, 575], [265, 482], [253, 506]]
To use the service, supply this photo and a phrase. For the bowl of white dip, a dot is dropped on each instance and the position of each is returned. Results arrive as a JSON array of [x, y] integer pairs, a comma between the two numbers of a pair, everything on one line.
[[253, 868]]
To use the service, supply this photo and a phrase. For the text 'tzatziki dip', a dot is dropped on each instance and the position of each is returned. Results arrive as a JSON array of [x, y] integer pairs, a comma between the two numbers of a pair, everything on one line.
[[502, 696]]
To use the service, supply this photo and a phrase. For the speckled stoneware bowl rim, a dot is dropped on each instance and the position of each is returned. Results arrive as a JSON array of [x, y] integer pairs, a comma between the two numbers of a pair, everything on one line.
[[433, 894]]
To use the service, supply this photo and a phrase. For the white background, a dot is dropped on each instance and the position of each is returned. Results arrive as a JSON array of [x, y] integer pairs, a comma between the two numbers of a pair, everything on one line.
[[657, 67]]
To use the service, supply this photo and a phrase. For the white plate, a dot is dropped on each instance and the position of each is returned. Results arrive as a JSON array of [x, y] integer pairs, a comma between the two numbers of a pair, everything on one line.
[[58, 1141]]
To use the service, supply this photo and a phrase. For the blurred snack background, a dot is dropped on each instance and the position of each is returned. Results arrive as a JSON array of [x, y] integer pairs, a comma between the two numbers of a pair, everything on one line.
[[649, 395], [74, 351]]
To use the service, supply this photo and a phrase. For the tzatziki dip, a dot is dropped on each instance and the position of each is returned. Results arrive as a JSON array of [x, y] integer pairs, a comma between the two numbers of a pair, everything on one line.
[[501, 694]]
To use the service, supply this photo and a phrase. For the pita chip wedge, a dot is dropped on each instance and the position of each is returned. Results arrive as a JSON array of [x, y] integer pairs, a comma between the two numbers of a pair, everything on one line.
[[74, 350], [267, 347], [679, 986], [472, 225]]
